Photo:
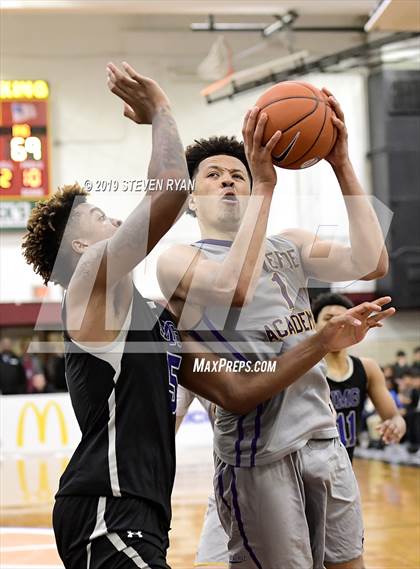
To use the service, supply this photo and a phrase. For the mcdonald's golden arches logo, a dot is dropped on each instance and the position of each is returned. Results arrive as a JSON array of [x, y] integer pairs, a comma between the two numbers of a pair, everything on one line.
[[42, 422]]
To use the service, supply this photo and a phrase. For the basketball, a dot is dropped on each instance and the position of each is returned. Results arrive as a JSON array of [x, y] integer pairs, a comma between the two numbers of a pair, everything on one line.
[[302, 113]]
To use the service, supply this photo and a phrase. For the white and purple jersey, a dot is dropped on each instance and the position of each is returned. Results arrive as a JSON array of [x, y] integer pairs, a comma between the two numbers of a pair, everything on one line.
[[277, 319]]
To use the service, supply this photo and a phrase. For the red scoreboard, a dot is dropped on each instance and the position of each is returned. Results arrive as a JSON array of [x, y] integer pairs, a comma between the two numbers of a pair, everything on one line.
[[24, 140]]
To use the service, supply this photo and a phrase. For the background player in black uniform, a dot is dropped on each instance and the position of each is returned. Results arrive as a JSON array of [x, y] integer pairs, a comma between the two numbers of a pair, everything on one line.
[[122, 356], [353, 379]]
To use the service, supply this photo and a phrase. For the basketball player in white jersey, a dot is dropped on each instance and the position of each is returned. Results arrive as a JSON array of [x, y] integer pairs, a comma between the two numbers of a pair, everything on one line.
[[285, 489]]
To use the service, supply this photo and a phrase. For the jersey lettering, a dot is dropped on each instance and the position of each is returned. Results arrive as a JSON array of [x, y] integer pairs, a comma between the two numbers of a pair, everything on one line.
[[174, 363]]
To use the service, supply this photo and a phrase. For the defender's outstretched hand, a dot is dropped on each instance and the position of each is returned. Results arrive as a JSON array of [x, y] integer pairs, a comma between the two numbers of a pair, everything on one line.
[[141, 95], [343, 331]]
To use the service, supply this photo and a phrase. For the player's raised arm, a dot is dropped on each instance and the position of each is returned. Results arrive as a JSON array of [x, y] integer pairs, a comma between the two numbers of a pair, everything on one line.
[[106, 262], [366, 258], [393, 426], [241, 392], [146, 103], [183, 271]]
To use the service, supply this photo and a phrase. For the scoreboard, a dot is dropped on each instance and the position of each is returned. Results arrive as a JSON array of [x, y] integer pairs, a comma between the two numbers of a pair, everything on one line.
[[24, 140]]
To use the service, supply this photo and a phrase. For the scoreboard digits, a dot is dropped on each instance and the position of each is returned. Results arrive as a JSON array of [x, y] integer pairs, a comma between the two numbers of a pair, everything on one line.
[[23, 140]]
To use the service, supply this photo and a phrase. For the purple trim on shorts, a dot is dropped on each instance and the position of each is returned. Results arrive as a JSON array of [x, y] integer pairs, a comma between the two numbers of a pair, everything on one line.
[[238, 517], [222, 490], [257, 434], [239, 440]]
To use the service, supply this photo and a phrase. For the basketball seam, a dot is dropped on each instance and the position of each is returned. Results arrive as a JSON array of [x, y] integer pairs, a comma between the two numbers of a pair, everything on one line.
[[314, 142], [307, 86], [300, 118]]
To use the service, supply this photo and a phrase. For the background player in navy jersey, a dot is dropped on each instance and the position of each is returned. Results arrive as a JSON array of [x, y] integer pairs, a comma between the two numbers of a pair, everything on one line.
[[353, 379], [123, 358], [274, 464]]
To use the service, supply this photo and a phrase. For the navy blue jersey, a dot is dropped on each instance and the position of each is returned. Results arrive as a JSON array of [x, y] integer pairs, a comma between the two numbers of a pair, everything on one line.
[[348, 398]]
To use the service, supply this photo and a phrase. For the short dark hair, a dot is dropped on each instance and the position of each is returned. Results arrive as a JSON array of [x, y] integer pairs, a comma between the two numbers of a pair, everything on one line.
[[214, 146], [45, 230], [401, 353], [416, 350], [329, 299]]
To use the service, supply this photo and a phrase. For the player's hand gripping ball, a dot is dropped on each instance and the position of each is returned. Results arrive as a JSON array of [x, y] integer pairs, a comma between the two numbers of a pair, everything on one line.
[[304, 116]]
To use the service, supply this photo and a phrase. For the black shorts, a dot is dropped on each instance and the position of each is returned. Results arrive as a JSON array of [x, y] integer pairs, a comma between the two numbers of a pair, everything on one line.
[[110, 533]]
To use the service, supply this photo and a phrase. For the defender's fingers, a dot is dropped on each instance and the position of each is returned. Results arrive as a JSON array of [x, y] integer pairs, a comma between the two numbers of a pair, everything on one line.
[[365, 308], [133, 73], [376, 319], [121, 78], [128, 112], [382, 300], [345, 319]]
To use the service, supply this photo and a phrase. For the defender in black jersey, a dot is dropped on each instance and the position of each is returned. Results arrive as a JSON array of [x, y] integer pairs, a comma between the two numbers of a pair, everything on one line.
[[352, 380], [123, 358]]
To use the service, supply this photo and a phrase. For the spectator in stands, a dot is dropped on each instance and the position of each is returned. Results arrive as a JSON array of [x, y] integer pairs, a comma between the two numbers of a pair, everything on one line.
[[405, 387], [413, 414], [12, 373], [388, 372], [393, 391], [401, 364], [416, 360], [55, 369], [34, 372]]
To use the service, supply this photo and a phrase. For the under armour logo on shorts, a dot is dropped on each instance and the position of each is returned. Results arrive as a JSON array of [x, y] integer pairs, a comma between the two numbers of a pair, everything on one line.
[[134, 533]]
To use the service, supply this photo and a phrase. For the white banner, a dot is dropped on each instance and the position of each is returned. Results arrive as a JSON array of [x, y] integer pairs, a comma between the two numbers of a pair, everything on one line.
[[38, 424]]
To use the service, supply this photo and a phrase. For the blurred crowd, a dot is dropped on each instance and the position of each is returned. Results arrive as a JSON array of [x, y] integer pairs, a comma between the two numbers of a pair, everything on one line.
[[23, 372], [403, 382]]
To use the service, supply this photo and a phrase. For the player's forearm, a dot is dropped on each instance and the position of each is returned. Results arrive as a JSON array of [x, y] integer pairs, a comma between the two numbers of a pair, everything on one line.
[[168, 167], [241, 392], [368, 253], [157, 211], [239, 271]]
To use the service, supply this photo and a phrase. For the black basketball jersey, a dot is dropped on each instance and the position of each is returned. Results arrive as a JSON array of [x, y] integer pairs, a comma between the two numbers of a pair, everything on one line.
[[125, 405], [348, 398]]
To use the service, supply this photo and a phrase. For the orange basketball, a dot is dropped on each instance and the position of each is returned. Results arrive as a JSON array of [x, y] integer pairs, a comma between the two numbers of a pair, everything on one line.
[[302, 113]]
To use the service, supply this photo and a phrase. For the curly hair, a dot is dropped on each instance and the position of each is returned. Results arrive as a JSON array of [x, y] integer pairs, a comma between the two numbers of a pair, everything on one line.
[[45, 230], [329, 299], [214, 146]]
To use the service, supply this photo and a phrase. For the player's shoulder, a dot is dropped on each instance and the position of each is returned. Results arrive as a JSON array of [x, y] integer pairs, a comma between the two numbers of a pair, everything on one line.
[[178, 253], [370, 366]]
